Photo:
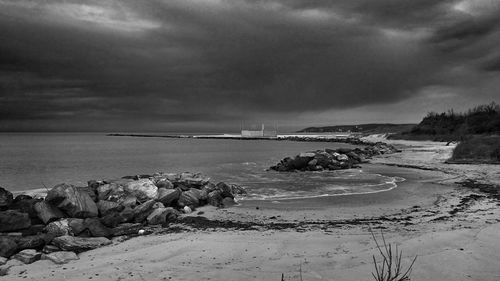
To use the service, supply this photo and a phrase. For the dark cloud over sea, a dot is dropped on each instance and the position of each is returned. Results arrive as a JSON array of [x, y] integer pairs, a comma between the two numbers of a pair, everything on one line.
[[205, 65]]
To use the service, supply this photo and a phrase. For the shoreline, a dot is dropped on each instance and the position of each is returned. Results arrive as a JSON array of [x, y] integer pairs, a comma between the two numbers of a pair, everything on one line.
[[452, 229]]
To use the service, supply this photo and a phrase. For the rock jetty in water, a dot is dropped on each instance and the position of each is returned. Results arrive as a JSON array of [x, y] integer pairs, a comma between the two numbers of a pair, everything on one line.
[[332, 159], [72, 219]]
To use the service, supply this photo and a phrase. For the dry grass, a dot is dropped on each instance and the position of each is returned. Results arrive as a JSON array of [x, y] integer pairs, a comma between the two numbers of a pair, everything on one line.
[[390, 268]]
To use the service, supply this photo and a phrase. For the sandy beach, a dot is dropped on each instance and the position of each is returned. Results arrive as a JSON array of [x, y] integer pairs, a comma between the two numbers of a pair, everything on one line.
[[453, 230]]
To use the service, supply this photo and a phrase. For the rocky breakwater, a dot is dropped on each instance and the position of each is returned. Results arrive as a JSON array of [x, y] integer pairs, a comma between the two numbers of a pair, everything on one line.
[[71, 219], [333, 159]]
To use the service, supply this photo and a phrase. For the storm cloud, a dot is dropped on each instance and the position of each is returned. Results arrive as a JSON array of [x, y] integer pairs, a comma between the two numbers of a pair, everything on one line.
[[207, 64]]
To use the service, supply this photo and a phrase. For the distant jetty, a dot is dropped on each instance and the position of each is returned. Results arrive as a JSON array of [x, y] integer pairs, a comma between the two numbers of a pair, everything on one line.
[[342, 138]]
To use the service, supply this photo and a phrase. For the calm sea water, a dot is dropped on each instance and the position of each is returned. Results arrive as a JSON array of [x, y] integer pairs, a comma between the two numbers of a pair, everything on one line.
[[32, 160]]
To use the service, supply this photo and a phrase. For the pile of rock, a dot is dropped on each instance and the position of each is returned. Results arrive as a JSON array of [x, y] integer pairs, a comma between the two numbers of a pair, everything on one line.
[[332, 159], [74, 219]]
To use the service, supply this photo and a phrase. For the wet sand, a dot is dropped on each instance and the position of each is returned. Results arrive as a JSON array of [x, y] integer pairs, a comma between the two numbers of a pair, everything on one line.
[[453, 230]]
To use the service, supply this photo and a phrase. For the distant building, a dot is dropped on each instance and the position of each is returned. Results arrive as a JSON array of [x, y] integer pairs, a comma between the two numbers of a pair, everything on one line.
[[262, 133]]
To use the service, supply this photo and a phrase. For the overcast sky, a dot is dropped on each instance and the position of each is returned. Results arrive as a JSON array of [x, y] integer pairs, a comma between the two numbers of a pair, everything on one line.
[[206, 65]]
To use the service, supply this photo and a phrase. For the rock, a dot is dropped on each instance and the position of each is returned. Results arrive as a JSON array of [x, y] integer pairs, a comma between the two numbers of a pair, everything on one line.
[[61, 257], [46, 212], [187, 210], [7, 247], [93, 184], [80, 244], [59, 228], [12, 220], [141, 212], [105, 207], [34, 229], [215, 198], [191, 180], [89, 227], [31, 242], [190, 198], [226, 189], [129, 201], [323, 158], [6, 198], [162, 215], [312, 163], [307, 154], [168, 196], [25, 204], [126, 229], [143, 189], [3, 260], [163, 183], [228, 202], [342, 157], [209, 187], [74, 202], [182, 187], [110, 192], [28, 256], [354, 157], [114, 219], [92, 192], [50, 249]]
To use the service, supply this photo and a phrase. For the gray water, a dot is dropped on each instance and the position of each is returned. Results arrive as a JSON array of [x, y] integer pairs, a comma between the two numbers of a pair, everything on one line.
[[34, 160]]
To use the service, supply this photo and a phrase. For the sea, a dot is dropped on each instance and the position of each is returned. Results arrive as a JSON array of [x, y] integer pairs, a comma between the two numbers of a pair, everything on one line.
[[41, 160]]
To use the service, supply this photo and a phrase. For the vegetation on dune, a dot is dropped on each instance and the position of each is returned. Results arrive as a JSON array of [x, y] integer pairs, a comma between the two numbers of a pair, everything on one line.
[[452, 126], [360, 128], [484, 149]]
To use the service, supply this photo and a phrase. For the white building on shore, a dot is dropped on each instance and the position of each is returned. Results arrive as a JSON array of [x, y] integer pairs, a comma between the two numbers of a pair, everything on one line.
[[262, 133]]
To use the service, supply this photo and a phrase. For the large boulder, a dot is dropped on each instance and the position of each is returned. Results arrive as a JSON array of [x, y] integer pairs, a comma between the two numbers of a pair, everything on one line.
[[60, 257], [89, 227], [141, 212], [31, 242], [46, 212], [91, 191], [215, 198], [105, 207], [113, 191], [168, 196], [163, 182], [191, 180], [6, 198], [162, 215], [143, 189], [190, 198], [8, 246], [127, 229], [12, 220], [79, 244], [24, 204], [227, 190], [129, 201], [28, 256], [59, 228], [114, 219], [300, 161], [75, 203]]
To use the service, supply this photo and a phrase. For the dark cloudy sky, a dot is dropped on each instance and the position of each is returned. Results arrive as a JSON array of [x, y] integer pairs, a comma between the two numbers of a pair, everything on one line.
[[204, 65]]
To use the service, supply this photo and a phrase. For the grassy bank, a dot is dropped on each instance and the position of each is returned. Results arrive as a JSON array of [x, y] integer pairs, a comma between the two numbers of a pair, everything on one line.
[[453, 126], [477, 149]]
